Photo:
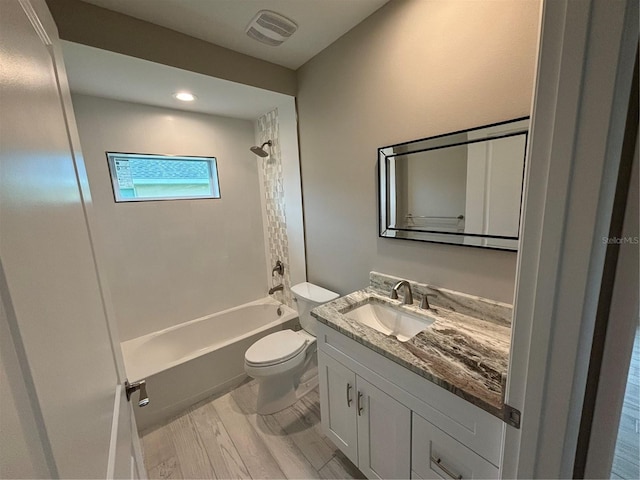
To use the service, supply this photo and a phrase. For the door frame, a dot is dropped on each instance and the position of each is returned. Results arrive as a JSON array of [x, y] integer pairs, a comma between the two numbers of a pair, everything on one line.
[[612, 357], [584, 75]]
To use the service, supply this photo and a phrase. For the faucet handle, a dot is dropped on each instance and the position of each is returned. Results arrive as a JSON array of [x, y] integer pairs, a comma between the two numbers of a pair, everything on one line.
[[279, 269], [424, 303]]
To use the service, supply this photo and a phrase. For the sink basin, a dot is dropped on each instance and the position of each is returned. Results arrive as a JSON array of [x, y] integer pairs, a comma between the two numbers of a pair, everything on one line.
[[389, 321]]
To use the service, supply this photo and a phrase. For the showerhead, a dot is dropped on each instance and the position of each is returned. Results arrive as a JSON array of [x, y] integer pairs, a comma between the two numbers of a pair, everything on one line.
[[260, 151]]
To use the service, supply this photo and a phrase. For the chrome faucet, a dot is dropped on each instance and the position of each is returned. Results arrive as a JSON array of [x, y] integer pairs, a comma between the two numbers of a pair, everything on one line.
[[275, 289], [407, 296]]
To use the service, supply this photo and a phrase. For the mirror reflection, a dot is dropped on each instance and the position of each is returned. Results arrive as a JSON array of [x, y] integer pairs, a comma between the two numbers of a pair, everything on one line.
[[463, 188]]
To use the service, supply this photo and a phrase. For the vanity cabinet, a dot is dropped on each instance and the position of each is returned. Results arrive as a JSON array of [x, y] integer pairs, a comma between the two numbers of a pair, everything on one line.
[[371, 428], [393, 423]]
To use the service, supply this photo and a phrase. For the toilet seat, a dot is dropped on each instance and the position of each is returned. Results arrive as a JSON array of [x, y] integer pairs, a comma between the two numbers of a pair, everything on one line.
[[275, 349]]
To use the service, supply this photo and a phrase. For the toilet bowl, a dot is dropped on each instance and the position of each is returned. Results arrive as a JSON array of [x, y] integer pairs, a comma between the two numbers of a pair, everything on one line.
[[285, 362]]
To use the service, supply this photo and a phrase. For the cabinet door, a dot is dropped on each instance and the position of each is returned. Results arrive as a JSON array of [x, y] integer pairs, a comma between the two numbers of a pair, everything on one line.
[[436, 455], [338, 405], [384, 434]]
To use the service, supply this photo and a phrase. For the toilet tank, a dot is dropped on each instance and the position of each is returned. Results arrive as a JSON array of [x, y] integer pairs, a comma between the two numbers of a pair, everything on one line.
[[309, 296]]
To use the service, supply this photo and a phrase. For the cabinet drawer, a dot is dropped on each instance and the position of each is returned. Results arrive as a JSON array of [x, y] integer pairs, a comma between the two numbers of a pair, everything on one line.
[[434, 454]]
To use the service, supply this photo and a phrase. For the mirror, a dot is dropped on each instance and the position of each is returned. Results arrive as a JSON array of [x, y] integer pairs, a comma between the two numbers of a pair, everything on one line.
[[462, 188]]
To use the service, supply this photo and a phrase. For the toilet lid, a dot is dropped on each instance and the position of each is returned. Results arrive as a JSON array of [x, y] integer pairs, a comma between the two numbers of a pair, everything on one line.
[[275, 348]]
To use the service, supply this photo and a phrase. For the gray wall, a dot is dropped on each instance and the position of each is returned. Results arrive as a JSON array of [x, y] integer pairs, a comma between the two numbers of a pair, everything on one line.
[[441, 194], [415, 68], [172, 261]]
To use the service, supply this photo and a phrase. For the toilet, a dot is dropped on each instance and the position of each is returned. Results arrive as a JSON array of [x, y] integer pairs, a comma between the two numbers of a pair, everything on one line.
[[285, 363]]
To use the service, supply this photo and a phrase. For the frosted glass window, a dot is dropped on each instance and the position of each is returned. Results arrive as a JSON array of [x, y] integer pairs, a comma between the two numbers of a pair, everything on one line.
[[138, 177]]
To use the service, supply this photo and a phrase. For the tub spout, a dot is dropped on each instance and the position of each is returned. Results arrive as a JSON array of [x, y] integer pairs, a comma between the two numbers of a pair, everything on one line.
[[273, 290]]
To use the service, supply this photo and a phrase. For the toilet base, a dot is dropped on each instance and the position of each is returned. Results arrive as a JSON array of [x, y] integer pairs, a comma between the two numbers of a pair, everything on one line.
[[276, 394]]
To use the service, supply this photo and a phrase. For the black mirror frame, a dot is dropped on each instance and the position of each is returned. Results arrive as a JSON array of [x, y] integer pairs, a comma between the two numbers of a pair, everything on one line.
[[451, 238]]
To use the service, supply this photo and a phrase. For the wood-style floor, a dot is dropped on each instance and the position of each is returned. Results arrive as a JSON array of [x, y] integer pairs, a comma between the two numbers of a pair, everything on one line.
[[626, 461], [225, 438]]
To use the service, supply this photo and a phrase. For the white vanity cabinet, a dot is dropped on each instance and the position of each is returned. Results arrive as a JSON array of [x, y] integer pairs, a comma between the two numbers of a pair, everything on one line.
[[393, 423], [371, 428]]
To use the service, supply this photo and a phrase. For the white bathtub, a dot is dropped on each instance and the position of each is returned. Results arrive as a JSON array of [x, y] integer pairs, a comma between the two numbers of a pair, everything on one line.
[[186, 363]]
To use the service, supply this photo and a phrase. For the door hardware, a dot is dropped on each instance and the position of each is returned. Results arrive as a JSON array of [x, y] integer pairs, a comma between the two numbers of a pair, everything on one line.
[[130, 388]]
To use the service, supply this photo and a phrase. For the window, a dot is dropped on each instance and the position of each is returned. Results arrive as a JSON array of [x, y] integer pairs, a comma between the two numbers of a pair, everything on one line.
[[139, 177]]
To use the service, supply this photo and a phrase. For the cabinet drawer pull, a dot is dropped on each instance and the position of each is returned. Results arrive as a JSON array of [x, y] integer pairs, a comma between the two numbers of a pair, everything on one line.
[[360, 407], [349, 399], [438, 461]]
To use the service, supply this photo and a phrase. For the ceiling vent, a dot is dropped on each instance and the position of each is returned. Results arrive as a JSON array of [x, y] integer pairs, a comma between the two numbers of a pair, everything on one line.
[[270, 28]]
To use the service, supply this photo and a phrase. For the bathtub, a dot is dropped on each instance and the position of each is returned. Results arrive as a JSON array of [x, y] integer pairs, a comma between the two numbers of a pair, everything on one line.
[[188, 362]]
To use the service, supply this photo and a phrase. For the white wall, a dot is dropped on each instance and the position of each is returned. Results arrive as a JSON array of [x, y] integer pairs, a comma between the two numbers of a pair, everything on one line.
[[172, 261], [413, 69]]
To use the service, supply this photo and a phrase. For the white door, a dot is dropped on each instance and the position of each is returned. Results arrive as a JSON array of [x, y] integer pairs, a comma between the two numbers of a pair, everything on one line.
[[338, 405], [384, 434], [53, 305]]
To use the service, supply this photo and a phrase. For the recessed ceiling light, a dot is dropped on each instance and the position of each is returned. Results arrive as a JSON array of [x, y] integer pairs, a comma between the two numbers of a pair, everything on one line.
[[185, 96]]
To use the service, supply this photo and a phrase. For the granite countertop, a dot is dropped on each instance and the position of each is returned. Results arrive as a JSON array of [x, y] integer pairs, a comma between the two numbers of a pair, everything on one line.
[[464, 354]]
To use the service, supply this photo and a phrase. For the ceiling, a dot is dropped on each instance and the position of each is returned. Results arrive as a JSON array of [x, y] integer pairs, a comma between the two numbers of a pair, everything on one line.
[[222, 22], [102, 73]]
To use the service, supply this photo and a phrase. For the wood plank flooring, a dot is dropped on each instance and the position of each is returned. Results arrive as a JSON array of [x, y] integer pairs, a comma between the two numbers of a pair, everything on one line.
[[225, 438], [626, 460]]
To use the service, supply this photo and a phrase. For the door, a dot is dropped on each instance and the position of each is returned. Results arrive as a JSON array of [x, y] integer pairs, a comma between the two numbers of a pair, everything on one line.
[[338, 405], [384, 434], [53, 306]]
